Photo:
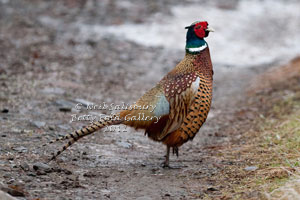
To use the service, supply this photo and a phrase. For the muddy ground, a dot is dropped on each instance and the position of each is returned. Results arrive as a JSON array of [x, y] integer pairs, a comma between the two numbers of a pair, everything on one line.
[[45, 72]]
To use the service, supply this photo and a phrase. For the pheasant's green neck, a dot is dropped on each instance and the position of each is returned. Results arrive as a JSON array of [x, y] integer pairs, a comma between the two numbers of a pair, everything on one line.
[[195, 45]]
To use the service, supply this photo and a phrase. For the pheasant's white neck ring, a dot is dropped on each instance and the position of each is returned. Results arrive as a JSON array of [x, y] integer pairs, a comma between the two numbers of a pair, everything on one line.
[[197, 49]]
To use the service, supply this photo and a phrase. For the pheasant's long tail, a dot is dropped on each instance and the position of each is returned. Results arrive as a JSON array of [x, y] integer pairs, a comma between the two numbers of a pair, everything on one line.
[[76, 135]]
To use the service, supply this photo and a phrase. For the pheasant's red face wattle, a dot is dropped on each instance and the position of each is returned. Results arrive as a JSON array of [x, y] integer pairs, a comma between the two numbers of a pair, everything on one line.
[[200, 28]]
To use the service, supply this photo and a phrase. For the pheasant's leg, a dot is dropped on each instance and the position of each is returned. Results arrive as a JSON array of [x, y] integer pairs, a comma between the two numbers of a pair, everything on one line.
[[166, 162], [176, 151]]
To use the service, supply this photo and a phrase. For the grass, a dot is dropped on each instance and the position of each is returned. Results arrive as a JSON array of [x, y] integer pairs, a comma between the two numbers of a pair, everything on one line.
[[281, 139], [274, 148], [278, 147]]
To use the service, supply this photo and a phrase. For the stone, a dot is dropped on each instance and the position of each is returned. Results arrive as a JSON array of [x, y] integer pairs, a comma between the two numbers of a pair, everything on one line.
[[20, 149], [42, 166], [250, 168], [124, 144], [84, 102], [31, 174], [65, 109], [6, 175], [38, 124], [4, 110], [53, 91], [6, 196], [14, 191], [64, 105], [212, 189], [25, 166]]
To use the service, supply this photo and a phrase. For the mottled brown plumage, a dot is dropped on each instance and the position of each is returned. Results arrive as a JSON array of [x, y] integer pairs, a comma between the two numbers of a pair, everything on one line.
[[182, 99]]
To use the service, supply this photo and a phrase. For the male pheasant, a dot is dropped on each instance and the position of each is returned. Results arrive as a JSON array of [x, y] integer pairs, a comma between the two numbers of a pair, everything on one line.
[[182, 99]]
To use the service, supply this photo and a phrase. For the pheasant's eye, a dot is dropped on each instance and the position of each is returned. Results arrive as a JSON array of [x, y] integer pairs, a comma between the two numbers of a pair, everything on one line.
[[198, 27]]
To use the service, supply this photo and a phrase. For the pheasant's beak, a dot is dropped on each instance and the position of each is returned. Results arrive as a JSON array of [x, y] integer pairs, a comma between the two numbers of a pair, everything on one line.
[[209, 29]]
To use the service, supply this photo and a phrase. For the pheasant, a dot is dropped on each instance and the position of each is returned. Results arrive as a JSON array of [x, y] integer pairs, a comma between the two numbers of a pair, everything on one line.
[[181, 100]]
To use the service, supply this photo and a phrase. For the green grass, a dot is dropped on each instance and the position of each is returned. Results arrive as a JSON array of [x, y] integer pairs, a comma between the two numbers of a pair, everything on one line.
[[274, 149], [282, 139], [273, 146]]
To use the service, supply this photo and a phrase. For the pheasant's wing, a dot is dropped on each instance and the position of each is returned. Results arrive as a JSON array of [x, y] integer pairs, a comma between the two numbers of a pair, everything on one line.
[[149, 109], [166, 105], [180, 91]]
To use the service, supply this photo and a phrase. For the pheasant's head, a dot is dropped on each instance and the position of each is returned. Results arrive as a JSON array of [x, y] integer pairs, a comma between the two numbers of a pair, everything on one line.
[[195, 34], [200, 29]]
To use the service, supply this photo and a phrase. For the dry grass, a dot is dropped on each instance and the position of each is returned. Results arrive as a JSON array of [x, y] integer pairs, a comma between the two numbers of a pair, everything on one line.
[[272, 149]]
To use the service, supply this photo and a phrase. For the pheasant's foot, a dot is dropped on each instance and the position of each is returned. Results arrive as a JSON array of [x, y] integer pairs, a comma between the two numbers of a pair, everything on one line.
[[165, 164]]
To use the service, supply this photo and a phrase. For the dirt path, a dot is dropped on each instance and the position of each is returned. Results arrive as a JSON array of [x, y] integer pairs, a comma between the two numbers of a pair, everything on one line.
[[45, 72]]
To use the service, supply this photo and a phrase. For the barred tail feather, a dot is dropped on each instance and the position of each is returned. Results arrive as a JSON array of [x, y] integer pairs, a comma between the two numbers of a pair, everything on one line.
[[76, 135], [58, 139]]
